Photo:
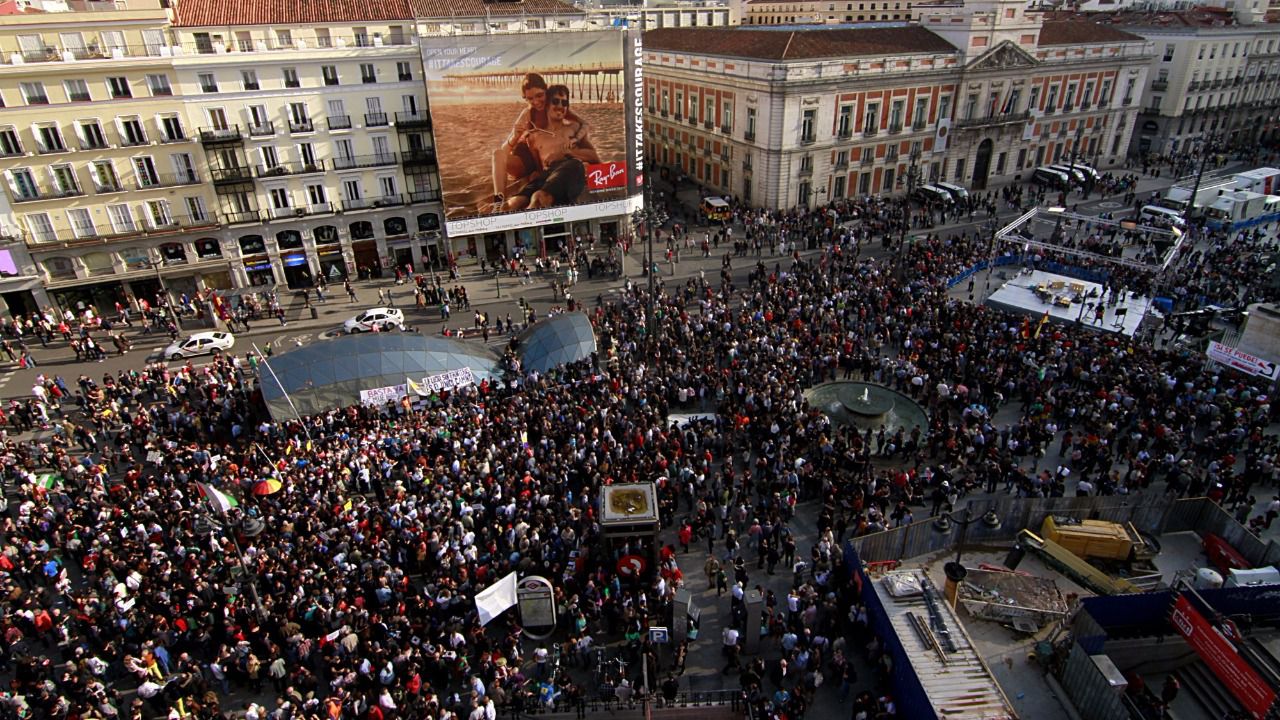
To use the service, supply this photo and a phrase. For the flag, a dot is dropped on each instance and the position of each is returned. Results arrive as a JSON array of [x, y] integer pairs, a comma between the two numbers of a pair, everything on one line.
[[48, 480], [218, 500], [496, 599], [1044, 319]]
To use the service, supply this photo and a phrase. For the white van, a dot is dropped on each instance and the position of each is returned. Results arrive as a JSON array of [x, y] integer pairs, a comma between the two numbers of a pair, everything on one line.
[[958, 193], [1157, 216], [1076, 174]]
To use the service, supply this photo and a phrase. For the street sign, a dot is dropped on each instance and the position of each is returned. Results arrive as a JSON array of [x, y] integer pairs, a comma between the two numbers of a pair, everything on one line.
[[659, 635], [632, 566], [1243, 361]]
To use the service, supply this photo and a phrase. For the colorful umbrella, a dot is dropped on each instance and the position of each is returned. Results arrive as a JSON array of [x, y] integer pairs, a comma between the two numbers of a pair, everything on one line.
[[270, 486]]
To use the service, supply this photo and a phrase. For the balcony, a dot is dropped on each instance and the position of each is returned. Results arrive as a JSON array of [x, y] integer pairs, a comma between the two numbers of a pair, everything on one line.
[[418, 157], [749, 136], [105, 188], [424, 196], [376, 120], [805, 171], [413, 121], [266, 129], [746, 165], [34, 196], [372, 203], [239, 174], [679, 117], [50, 149], [895, 128], [870, 132], [134, 141], [90, 144], [164, 181], [842, 164], [79, 97], [170, 139], [363, 161], [339, 122], [301, 126], [693, 119], [1159, 85], [93, 51], [727, 130], [808, 139], [994, 120], [240, 218], [844, 133], [289, 168], [919, 125], [221, 136]]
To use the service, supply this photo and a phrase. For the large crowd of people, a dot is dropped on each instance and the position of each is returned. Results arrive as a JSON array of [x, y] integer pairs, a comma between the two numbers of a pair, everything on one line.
[[172, 550]]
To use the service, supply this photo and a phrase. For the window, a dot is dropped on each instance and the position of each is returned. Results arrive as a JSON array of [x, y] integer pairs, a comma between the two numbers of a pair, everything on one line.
[[844, 125], [208, 83], [368, 74], [33, 93], [896, 111], [34, 50], [679, 112], [361, 36], [81, 223], [284, 39], [118, 87], [404, 71], [77, 90], [1068, 100], [49, 139], [323, 39], [64, 180], [121, 219], [279, 198], [291, 77], [1051, 101], [807, 120], [23, 184], [726, 115], [132, 131], [91, 135], [198, 213], [270, 159], [159, 85], [307, 153], [1168, 52], [388, 185], [381, 148], [42, 231], [298, 115], [872, 121], [171, 128], [922, 112], [249, 78], [351, 189], [693, 110], [104, 176], [144, 169], [944, 106], [330, 74], [344, 149], [751, 123], [316, 195], [158, 214], [9, 143]]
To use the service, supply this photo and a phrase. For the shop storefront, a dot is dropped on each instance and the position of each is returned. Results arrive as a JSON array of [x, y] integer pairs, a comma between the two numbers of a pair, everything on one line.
[[368, 262], [297, 273], [259, 272], [99, 297], [555, 239]]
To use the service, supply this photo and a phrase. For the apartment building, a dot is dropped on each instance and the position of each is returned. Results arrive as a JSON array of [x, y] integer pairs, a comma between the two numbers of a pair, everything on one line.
[[313, 123], [1215, 73], [655, 15], [825, 12], [973, 94], [103, 168]]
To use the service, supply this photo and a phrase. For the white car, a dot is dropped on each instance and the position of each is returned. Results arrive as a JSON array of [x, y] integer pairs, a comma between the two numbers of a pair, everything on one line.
[[382, 318], [202, 343]]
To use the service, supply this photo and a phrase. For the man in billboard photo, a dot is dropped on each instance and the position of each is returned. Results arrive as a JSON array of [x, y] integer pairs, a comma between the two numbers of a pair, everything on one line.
[[513, 160], [560, 151]]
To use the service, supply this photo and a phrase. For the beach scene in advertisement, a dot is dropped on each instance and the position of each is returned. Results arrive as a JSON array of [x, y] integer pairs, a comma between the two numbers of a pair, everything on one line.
[[525, 123]]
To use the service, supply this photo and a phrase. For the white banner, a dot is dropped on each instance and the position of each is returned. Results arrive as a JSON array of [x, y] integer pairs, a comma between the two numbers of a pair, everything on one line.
[[546, 216], [433, 384], [383, 395], [496, 599], [1242, 361]]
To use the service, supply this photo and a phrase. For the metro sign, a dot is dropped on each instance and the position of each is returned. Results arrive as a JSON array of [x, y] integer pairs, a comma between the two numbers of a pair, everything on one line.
[[607, 175]]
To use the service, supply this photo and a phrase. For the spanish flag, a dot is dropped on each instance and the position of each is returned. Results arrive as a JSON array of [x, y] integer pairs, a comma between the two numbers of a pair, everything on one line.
[[1044, 319]]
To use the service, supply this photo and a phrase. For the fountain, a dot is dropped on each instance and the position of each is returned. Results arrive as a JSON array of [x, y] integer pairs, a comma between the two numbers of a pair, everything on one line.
[[867, 406]]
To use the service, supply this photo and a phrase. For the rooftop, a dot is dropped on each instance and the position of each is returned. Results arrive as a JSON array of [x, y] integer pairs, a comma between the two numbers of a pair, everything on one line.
[[213, 13], [1196, 17], [789, 43], [1082, 32]]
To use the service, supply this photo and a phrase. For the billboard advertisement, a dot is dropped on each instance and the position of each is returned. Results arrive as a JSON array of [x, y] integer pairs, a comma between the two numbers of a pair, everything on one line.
[[1220, 655], [533, 129]]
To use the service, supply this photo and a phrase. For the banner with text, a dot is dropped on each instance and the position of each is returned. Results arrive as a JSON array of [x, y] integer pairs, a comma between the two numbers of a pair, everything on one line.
[[1242, 361], [432, 384], [1236, 674], [383, 395]]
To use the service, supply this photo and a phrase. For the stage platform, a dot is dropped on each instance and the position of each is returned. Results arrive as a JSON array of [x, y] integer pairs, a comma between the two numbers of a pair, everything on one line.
[[1034, 292]]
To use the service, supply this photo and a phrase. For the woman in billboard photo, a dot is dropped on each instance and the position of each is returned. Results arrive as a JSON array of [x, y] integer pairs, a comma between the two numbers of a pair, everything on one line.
[[513, 161], [559, 153]]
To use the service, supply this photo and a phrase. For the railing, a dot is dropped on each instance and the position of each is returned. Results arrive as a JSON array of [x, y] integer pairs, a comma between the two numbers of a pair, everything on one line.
[[1159, 85], [239, 218], [919, 124], [103, 189], [320, 209], [231, 174], [735, 700], [127, 141], [90, 52], [301, 126], [163, 181], [220, 135], [805, 171], [842, 164], [271, 44], [372, 202], [339, 122], [413, 120], [79, 97], [679, 117], [38, 100], [749, 136], [376, 119], [50, 149], [708, 124], [895, 128], [88, 145], [868, 132], [746, 164], [170, 139], [844, 133], [17, 152], [290, 168], [34, 197], [265, 129], [995, 120], [727, 130], [808, 139], [70, 236], [363, 161], [424, 196], [417, 157]]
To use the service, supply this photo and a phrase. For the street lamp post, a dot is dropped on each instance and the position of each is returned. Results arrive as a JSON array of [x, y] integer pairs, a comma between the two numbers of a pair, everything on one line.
[[648, 216], [1208, 144], [164, 292]]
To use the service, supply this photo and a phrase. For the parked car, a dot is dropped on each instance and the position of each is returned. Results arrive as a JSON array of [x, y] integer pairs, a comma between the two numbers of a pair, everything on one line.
[[201, 343], [933, 194], [1051, 178], [381, 318], [958, 193]]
